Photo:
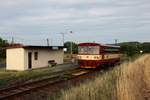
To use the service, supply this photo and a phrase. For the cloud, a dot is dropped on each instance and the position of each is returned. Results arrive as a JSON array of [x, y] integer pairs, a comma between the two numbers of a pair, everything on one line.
[[30, 17]]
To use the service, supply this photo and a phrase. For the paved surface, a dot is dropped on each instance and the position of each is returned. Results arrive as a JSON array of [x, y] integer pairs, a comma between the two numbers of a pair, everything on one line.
[[63, 67]]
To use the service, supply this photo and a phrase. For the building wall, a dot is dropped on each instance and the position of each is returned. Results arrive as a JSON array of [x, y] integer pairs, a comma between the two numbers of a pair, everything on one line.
[[44, 55], [15, 59]]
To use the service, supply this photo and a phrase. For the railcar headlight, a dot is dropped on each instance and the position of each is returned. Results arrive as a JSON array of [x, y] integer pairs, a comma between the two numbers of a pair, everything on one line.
[[95, 57]]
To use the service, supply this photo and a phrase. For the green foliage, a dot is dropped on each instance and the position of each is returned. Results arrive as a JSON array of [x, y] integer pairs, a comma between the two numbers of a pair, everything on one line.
[[74, 47], [146, 47], [3, 44], [133, 48], [128, 48]]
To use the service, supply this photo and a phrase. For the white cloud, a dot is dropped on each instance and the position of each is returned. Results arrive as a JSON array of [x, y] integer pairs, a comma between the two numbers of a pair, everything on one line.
[[83, 16]]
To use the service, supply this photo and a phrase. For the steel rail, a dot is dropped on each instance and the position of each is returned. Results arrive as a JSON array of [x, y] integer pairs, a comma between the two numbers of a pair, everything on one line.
[[24, 88]]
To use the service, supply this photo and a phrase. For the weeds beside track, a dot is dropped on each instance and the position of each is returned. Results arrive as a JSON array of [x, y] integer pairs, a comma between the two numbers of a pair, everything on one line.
[[38, 84], [129, 81]]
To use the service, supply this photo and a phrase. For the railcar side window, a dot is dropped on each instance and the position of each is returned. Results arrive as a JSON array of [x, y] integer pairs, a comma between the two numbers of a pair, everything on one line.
[[111, 50]]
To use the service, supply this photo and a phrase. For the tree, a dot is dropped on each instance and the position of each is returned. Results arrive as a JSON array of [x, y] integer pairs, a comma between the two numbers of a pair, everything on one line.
[[146, 47], [130, 48], [133, 48], [74, 47], [3, 45]]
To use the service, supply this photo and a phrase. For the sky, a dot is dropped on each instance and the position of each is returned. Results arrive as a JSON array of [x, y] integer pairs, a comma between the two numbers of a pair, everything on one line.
[[31, 22]]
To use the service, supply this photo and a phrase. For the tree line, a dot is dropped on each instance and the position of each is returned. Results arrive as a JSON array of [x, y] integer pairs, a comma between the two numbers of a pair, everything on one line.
[[133, 48], [128, 48], [3, 45]]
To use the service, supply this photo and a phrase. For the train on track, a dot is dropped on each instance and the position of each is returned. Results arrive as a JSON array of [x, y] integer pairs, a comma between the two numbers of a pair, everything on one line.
[[93, 55]]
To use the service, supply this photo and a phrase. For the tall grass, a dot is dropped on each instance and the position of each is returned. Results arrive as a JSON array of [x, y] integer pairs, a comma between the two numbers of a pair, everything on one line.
[[129, 81], [133, 82]]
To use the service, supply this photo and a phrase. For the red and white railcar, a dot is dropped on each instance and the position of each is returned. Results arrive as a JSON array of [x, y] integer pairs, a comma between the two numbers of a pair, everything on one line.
[[93, 55]]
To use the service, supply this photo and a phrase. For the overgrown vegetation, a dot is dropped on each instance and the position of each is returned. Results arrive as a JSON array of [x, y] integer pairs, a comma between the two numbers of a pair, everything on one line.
[[13, 77], [129, 81], [3, 44], [74, 47], [134, 48]]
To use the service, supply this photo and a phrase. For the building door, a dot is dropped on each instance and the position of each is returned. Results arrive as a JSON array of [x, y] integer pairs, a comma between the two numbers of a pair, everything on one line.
[[30, 60]]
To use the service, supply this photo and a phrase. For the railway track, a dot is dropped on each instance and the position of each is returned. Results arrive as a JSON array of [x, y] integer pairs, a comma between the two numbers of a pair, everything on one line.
[[9, 92]]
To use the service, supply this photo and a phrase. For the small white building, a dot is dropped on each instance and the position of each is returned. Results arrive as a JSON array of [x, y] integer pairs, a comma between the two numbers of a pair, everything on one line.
[[22, 58]]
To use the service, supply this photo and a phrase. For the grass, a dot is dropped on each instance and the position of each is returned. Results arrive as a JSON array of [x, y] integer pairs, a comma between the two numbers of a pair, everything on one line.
[[133, 81], [129, 81], [2, 60], [12, 77]]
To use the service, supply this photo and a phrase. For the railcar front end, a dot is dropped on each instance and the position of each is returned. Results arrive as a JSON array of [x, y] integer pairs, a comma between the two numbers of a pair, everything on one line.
[[89, 61], [93, 55], [88, 55]]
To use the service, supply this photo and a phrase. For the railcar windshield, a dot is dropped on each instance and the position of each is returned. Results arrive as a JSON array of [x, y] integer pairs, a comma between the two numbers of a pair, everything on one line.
[[88, 49]]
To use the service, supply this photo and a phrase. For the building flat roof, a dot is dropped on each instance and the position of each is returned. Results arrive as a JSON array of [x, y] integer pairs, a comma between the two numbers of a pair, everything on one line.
[[43, 47], [33, 47]]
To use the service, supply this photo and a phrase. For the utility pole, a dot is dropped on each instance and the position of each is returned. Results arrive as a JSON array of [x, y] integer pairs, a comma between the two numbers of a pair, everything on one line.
[[50, 40], [71, 48], [12, 40], [71, 44], [63, 36], [47, 42], [116, 41]]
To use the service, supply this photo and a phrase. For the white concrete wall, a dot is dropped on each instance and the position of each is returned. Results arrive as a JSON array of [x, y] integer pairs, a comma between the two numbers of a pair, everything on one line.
[[44, 55], [15, 59]]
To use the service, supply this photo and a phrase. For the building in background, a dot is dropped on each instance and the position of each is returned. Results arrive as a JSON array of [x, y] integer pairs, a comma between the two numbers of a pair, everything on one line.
[[22, 58]]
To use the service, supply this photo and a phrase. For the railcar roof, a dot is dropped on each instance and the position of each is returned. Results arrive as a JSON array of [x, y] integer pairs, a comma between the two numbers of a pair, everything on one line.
[[97, 44], [88, 44], [111, 46]]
